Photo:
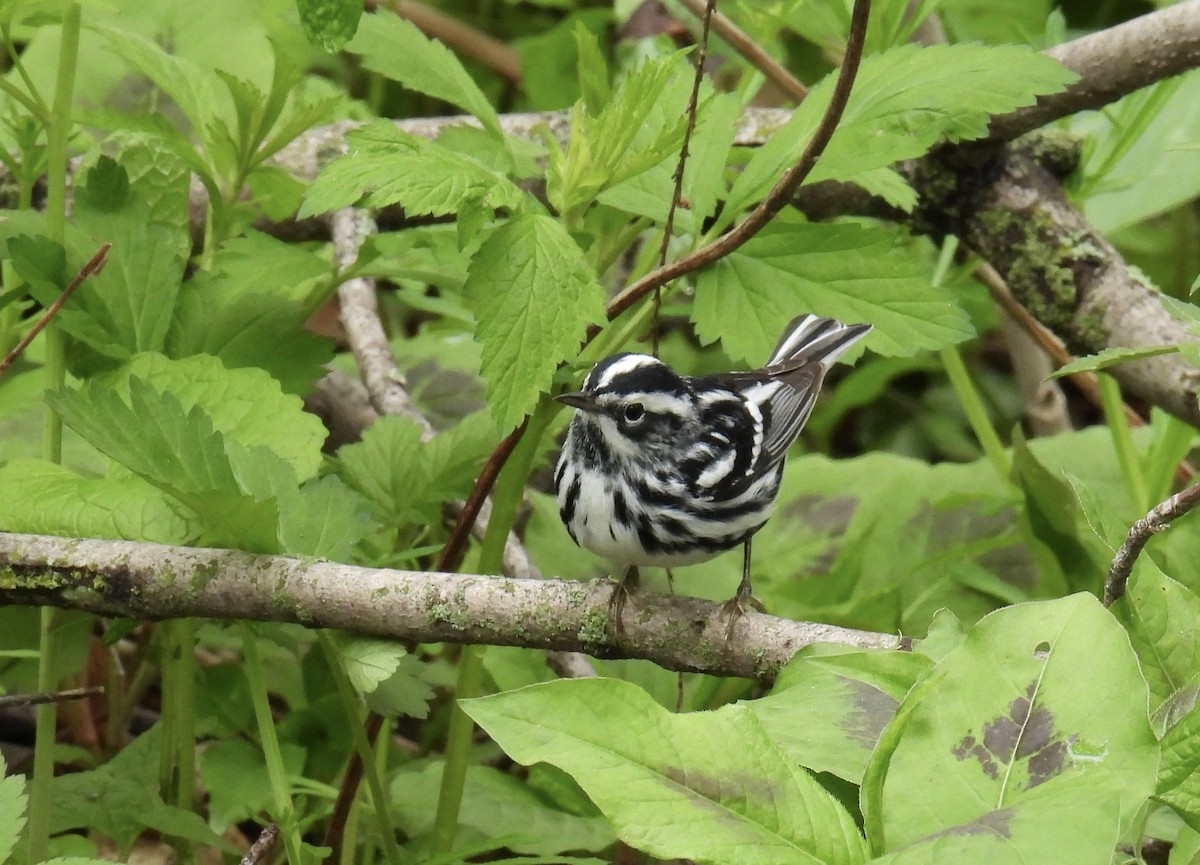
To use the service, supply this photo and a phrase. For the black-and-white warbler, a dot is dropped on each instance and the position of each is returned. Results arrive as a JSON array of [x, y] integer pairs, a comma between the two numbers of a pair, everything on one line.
[[666, 470]]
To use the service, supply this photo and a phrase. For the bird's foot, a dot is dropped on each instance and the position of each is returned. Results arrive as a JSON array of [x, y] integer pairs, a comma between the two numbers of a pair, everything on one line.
[[616, 603], [735, 608]]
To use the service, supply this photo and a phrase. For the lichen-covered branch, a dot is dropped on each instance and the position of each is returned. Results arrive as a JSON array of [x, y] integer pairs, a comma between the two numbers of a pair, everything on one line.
[[151, 581], [1014, 212]]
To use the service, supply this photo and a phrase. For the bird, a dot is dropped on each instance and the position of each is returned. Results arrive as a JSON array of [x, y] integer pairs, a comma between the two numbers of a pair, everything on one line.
[[665, 470]]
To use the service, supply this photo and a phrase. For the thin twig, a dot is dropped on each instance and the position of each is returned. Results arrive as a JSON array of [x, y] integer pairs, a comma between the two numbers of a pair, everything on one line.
[[10, 700], [779, 196], [1158, 519], [750, 50], [775, 201], [262, 846], [94, 265], [677, 195], [335, 832]]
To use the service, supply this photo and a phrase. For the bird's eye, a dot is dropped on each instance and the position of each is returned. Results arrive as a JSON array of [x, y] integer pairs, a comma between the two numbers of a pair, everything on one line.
[[634, 412]]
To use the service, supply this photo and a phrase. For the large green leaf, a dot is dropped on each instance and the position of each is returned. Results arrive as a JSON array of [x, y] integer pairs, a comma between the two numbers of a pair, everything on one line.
[[1179, 774], [849, 272], [1039, 697], [535, 294], [12, 810], [709, 786]]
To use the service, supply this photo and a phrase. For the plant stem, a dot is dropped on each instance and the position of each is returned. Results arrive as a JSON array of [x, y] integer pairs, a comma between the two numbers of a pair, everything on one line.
[[1127, 457], [56, 227], [506, 498], [976, 413], [280, 789], [351, 704], [184, 670]]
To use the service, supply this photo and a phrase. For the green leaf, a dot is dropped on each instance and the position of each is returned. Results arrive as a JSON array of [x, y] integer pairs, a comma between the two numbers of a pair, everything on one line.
[[329, 24], [1111, 357], [324, 518], [849, 272], [904, 101], [535, 294], [179, 452], [12, 811], [159, 178], [368, 661], [181, 79], [1159, 615], [408, 481], [496, 805], [829, 706], [396, 49], [671, 784], [245, 405], [121, 800], [385, 166], [235, 775], [46, 499], [1179, 770], [1039, 695], [638, 128]]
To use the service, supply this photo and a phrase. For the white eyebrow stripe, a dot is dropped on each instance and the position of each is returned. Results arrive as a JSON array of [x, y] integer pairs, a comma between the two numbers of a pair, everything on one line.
[[624, 366]]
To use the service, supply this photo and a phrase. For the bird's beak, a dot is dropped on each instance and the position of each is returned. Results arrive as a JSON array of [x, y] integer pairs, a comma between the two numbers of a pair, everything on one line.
[[579, 400]]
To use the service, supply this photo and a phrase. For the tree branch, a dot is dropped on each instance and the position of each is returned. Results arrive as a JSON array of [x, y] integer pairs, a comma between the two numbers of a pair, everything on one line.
[[151, 581], [1113, 63]]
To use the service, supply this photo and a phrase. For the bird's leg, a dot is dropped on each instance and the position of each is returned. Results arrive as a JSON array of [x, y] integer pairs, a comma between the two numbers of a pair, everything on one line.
[[670, 581], [735, 607], [616, 604]]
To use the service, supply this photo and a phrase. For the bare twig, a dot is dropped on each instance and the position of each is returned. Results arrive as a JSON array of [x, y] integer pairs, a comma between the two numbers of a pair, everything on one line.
[[1158, 519], [681, 164], [750, 50], [9, 700], [335, 832], [260, 850], [779, 196], [151, 581], [93, 266]]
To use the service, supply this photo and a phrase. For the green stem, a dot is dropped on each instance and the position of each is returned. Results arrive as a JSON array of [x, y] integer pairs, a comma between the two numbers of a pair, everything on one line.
[[56, 227], [1127, 457], [977, 416], [170, 704], [280, 789], [184, 670], [506, 499], [351, 704]]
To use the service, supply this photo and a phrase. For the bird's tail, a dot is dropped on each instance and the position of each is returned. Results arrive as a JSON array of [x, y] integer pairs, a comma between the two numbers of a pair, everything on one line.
[[814, 339]]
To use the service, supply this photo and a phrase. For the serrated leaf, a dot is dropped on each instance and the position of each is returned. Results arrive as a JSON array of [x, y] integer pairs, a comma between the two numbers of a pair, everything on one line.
[[235, 775], [396, 49], [127, 307], [904, 101], [329, 24], [535, 294], [245, 405], [324, 518], [46, 499], [671, 784], [384, 166], [497, 805], [159, 178], [1111, 357], [178, 451], [408, 481], [405, 692], [12, 810], [1039, 695], [849, 272], [368, 661]]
